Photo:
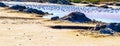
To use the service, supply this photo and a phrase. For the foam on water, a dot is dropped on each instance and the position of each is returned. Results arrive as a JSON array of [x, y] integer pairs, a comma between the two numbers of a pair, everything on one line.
[[100, 14]]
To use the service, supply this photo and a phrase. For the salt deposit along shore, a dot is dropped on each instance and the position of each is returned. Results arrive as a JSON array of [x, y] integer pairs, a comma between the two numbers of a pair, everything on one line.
[[100, 14], [23, 29]]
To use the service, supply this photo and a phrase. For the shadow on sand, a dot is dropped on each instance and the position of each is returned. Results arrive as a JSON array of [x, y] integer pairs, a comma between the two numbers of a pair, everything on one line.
[[71, 27], [6, 17]]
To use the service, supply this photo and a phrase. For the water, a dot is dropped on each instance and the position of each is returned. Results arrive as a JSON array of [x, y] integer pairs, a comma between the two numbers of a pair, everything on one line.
[[100, 14]]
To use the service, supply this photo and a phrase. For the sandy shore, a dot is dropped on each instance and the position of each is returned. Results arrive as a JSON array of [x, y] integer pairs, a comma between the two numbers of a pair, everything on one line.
[[22, 29]]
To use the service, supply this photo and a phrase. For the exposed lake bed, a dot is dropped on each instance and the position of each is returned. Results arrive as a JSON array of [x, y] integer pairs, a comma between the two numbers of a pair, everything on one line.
[[100, 14]]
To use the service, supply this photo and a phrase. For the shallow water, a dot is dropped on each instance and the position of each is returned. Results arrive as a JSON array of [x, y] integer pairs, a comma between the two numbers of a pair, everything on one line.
[[100, 14]]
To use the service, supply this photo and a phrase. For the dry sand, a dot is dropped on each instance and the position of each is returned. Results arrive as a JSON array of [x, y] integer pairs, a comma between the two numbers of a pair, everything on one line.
[[22, 29]]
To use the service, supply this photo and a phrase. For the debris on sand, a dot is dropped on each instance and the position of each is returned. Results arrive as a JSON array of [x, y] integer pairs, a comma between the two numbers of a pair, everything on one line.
[[108, 28], [55, 18], [107, 31], [18, 7], [104, 6], [31, 10], [76, 17], [114, 26], [117, 4], [90, 5], [2, 5], [100, 26], [60, 2], [28, 10]]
